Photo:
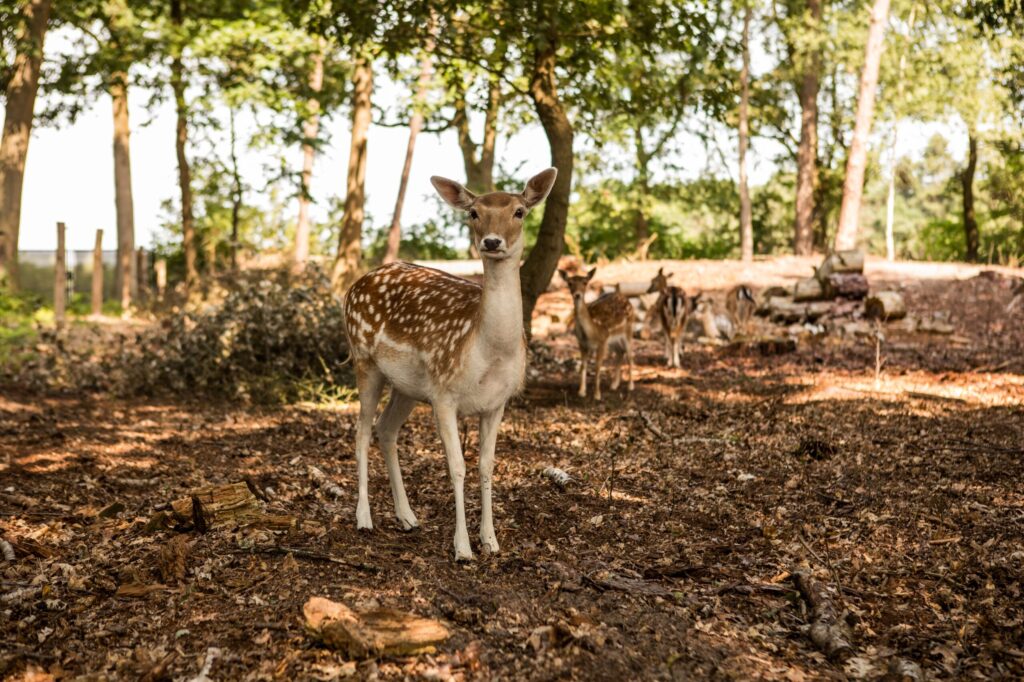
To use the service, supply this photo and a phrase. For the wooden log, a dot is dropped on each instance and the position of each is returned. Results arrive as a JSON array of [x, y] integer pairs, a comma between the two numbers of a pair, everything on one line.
[[840, 261], [377, 632], [828, 631], [763, 345], [809, 289], [627, 288], [885, 305], [60, 278], [786, 310], [213, 506], [97, 275], [846, 285]]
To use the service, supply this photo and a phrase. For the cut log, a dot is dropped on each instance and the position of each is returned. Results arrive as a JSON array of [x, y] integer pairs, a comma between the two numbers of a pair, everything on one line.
[[786, 310], [627, 288], [828, 631], [841, 261], [809, 289], [217, 505], [377, 632], [885, 305], [846, 285], [763, 345]]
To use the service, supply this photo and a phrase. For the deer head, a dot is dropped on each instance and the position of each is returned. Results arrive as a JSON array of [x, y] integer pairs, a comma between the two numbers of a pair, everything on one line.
[[496, 218], [577, 283], [660, 282]]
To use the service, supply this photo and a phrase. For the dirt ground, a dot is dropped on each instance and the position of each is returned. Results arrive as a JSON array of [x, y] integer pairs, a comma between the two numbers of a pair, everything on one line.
[[670, 556]]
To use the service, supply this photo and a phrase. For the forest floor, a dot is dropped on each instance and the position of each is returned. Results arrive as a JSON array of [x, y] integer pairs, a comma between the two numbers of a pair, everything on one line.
[[695, 501]]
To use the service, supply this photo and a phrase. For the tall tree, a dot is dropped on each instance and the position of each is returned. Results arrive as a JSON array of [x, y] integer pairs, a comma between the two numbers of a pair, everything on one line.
[[178, 85], [310, 132], [967, 184], [807, 152], [20, 97], [856, 163], [415, 125], [127, 281], [348, 262], [746, 214]]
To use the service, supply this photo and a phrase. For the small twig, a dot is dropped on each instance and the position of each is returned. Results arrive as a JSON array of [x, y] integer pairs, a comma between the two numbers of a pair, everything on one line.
[[828, 631], [6, 550], [307, 554], [649, 423], [324, 481]]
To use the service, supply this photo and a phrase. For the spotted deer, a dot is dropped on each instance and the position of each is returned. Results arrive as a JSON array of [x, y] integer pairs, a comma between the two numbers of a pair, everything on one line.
[[670, 311], [440, 339], [740, 304], [600, 325]]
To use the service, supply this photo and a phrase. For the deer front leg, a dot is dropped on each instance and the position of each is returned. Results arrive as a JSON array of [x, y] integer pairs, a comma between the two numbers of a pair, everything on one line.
[[629, 362], [583, 374], [617, 371], [395, 414], [448, 428], [602, 350], [489, 424], [669, 356], [370, 383]]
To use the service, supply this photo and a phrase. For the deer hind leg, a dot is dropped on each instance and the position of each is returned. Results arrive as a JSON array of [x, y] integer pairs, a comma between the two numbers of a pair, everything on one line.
[[674, 342], [388, 426], [617, 371], [448, 428], [489, 424], [629, 362], [370, 383]]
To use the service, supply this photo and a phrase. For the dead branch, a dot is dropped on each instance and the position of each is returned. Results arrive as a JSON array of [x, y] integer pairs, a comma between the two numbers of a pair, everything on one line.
[[651, 426], [324, 481], [6, 550], [828, 630], [307, 554]]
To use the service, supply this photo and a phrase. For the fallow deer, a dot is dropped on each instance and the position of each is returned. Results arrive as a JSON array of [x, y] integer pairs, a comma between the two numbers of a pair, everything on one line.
[[740, 304], [606, 322], [443, 340], [670, 311]]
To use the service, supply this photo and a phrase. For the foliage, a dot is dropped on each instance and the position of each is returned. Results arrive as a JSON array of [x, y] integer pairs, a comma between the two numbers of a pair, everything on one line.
[[268, 338]]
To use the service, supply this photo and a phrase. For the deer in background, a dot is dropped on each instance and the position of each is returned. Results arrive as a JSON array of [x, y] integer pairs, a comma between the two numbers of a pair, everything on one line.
[[670, 310], [443, 340], [740, 304], [600, 325]]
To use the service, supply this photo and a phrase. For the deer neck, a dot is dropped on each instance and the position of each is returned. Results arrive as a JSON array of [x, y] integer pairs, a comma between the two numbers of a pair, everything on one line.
[[583, 318], [501, 307]]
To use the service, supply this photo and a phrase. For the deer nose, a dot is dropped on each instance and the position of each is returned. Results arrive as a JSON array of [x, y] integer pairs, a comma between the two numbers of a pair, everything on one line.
[[491, 244]]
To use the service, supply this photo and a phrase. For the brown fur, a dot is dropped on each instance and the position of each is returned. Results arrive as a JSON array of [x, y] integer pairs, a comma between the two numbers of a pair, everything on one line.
[[740, 305]]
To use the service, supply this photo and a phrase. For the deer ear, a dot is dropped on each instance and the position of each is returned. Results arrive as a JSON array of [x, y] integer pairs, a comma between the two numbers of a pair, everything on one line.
[[452, 192], [590, 275], [539, 186], [661, 271], [563, 274]]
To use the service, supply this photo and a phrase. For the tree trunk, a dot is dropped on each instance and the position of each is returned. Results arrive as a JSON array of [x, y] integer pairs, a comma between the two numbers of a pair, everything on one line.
[[478, 159], [348, 263], [188, 230], [236, 190], [641, 224], [310, 131], [746, 216], [807, 152], [20, 99], [415, 125], [540, 265], [97, 275], [853, 184], [890, 202], [60, 277], [967, 183], [125, 278]]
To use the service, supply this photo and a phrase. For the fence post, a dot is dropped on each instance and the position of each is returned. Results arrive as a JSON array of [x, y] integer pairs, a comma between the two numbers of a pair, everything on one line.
[[142, 269], [60, 279], [161, 277], [97, 275]]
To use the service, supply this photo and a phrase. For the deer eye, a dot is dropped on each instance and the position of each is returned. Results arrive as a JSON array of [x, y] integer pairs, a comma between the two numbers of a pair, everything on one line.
[[519, 213], [473, 214]]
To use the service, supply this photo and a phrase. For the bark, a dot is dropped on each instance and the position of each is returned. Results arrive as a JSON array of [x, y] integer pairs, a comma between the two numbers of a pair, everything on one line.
[[188, 230], [20, 103], [415, 125], [853, 185], [348, 263], [540, 265], [807, 152], [746, 216], [478, 159], [60, 278], [126, 276], [967, 184], [236, 190], [97, 275], [310, 131]]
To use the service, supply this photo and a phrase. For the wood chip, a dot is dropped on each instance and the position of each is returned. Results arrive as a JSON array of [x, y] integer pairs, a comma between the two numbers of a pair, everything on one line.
[[376, 632]]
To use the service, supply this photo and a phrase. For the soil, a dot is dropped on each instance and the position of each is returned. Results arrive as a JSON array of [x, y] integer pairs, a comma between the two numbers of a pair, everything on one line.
[[671, 554]]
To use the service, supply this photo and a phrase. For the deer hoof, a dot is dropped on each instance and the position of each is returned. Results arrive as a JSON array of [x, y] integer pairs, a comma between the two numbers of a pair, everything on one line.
[[463, 555], [364, 520], [489, 544], [407, 521]]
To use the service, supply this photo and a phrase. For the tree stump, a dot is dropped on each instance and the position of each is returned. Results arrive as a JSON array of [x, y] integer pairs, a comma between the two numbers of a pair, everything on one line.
[[217, 505], [885, 306]]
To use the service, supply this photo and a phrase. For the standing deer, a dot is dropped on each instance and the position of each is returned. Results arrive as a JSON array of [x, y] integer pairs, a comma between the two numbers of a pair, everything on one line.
[[740, 304], [670, 310], [443, 340], [607, 322]]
